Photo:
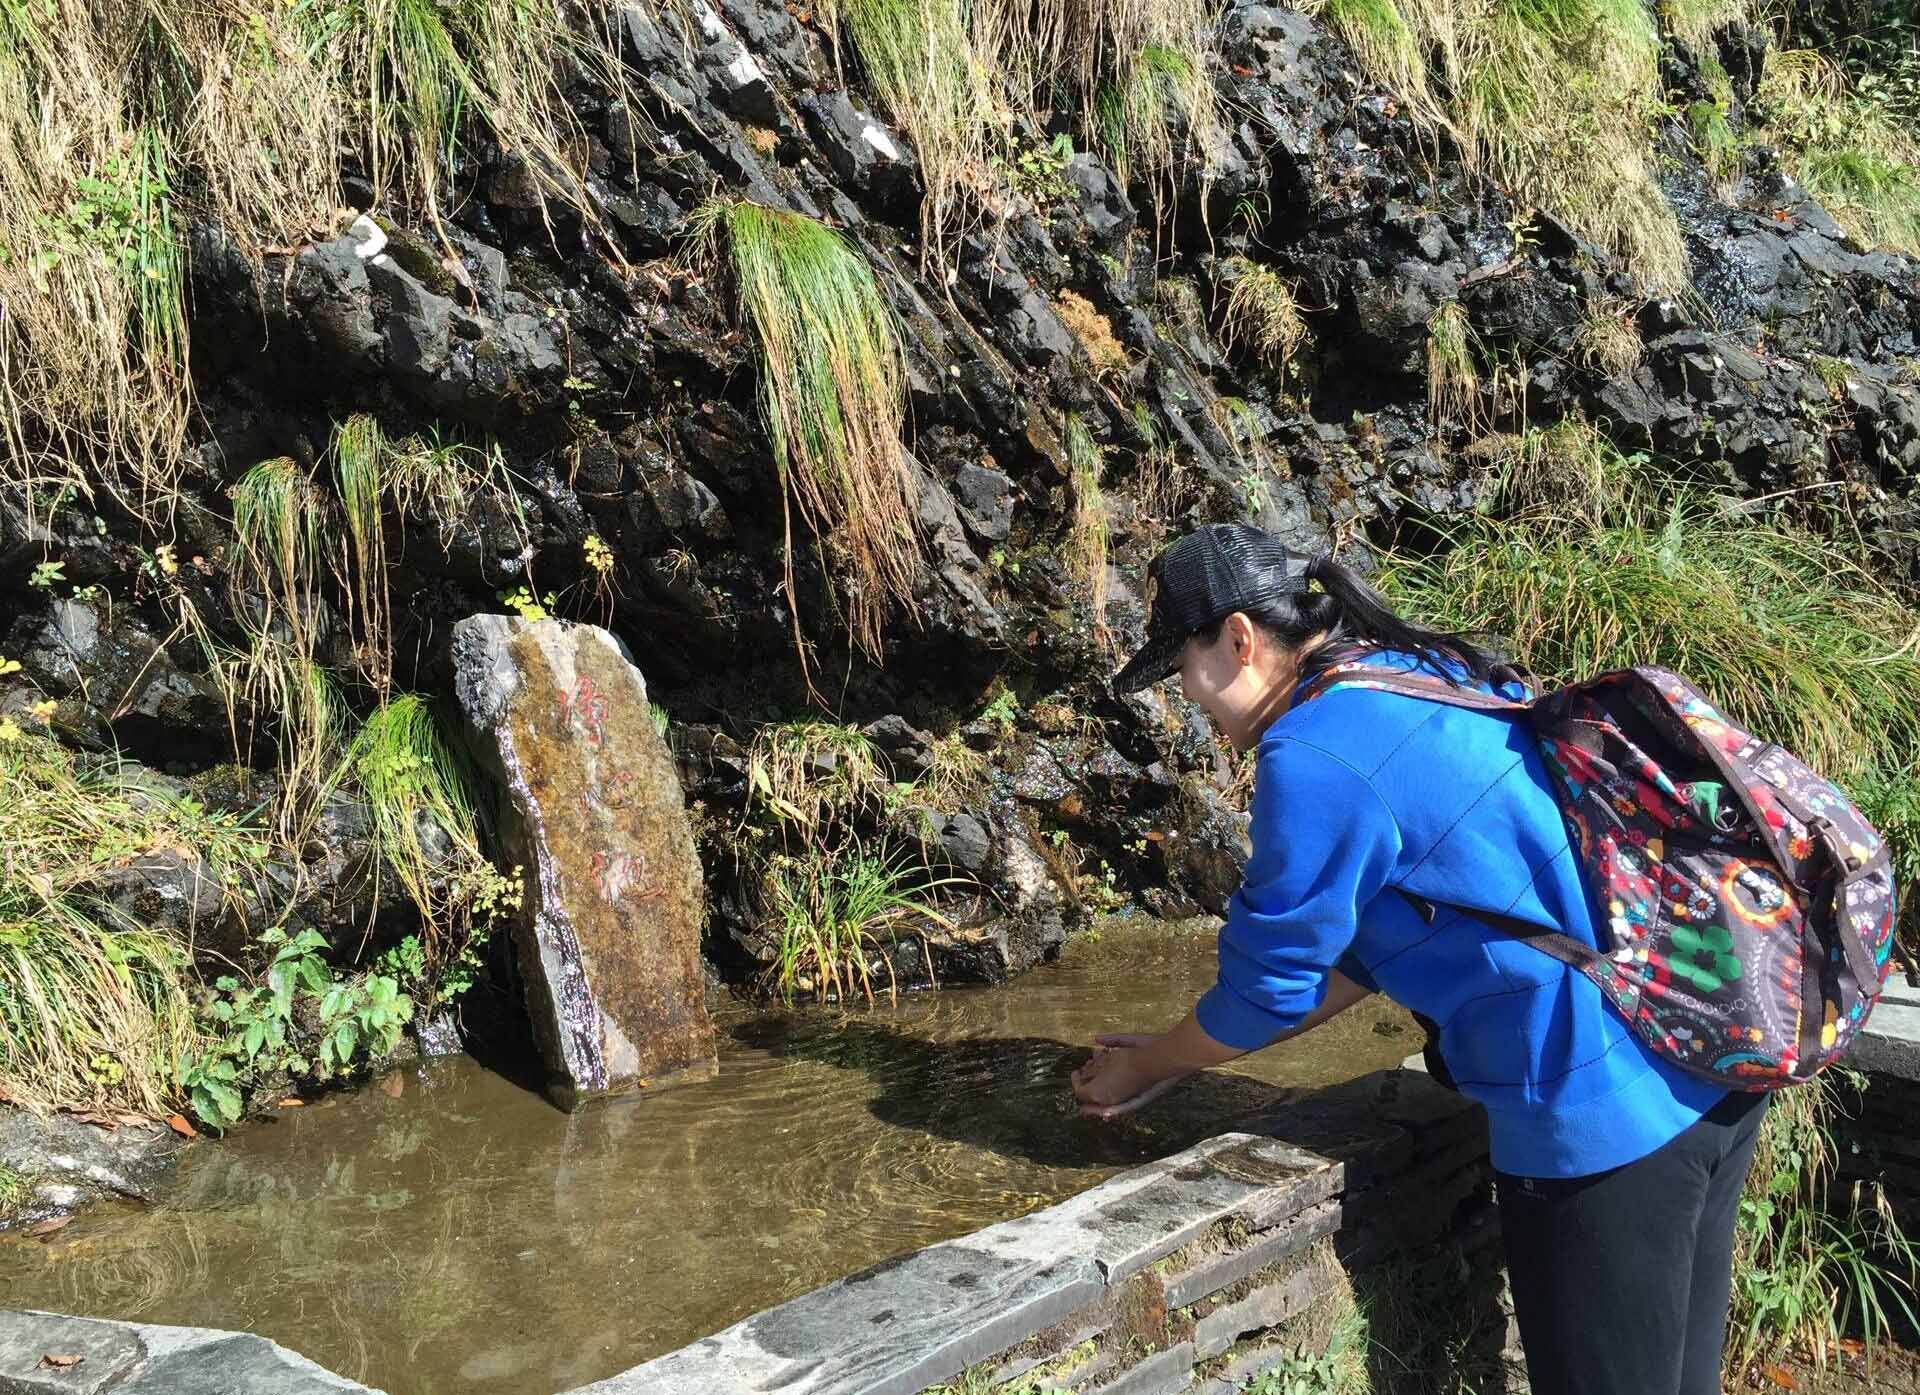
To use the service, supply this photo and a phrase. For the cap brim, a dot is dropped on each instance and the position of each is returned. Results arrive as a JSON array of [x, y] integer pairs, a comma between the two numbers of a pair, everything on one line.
[[1158, 658]]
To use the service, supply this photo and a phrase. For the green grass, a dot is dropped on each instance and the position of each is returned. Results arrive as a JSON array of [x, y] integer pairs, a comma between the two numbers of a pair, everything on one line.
[[1719, 149], [1141, 113], [809, 774], [1855, 155], [15, 1188], [1554, 99], [121, 125], [404, 767], [1801, 645], [919, 57], [833, 389], [1812, 1265], [94, 1008], [358, 450], [834, 911]]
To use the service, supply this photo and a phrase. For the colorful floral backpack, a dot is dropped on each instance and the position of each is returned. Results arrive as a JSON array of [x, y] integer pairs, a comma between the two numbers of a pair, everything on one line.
[[1750, 907]]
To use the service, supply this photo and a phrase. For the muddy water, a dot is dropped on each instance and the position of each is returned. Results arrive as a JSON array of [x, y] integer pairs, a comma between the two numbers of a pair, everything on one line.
[[446, 1230]]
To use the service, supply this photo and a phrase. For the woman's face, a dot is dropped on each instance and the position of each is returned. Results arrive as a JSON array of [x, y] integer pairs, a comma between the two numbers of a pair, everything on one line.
[[1241, 679]]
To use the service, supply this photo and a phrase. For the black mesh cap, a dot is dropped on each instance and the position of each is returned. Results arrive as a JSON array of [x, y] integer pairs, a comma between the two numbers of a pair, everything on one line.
[[1206, 576]]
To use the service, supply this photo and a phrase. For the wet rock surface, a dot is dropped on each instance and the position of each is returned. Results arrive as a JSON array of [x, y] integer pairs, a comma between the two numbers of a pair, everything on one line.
[[609, 932], [67, 1162]]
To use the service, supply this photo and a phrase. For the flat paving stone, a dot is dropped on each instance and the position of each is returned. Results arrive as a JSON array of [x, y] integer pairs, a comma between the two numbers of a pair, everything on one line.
[[1160, 1374], [131, 1358], [894, 1330], [1889, 1042], [1268, 1306]]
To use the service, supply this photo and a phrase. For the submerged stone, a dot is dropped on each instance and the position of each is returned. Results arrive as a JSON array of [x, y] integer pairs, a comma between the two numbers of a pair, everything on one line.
[[609, 934]]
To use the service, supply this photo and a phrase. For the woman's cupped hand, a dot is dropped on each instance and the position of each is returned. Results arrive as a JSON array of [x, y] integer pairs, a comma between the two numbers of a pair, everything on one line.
[[1123, 1073]]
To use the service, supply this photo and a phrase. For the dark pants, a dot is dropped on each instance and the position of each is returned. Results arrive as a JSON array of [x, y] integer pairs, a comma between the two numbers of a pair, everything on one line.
[[1620, 1279]]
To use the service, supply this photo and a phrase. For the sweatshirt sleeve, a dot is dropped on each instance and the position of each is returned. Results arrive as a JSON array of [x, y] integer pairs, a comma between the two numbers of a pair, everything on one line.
[[1324, 844]]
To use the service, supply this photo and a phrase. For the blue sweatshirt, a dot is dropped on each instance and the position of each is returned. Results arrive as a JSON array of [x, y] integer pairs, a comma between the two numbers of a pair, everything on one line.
[[1360, 795]]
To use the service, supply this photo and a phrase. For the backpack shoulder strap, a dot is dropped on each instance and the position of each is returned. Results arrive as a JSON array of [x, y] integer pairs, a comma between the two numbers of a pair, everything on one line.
[[1420, 685], [1569, 951]]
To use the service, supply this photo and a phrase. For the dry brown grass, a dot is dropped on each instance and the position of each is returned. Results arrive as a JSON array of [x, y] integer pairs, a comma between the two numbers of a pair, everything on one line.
[[1095, 333]]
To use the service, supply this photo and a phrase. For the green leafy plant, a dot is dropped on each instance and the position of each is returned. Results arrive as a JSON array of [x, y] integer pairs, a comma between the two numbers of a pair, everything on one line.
[[1813, 1264]]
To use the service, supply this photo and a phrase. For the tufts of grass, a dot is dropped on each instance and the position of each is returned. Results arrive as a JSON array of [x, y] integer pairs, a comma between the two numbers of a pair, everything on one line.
[[925, 70], [121, 125], [94, 386], [358, 448], [1799, 643], [1138, 72], [809, 774], [416, 75], [93, 1007], [407, 771], [1142, 114], [15, 1188], [1695, 22], [1719, 149], [1860, 160], [833, 389], [1608, 341], [1552, 98], [1812, 1267], [1453, 375], [1261, 314], [1087, 534], [833, 913]]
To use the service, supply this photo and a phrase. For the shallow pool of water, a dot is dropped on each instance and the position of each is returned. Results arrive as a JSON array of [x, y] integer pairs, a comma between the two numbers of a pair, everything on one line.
[[446, 1230]]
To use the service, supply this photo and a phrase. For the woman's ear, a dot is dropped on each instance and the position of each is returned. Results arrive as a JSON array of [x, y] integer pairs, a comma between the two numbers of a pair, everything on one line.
[[1245, 640]]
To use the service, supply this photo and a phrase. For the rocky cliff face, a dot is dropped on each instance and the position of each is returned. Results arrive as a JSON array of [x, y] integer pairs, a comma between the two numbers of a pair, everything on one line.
[[1065, 355]]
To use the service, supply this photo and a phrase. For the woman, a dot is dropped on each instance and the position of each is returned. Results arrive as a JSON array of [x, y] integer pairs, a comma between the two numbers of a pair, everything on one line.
[[1381, 824]]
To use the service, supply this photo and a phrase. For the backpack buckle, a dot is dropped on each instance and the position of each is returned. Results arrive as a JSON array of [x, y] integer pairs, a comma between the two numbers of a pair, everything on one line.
[[1823, 828]]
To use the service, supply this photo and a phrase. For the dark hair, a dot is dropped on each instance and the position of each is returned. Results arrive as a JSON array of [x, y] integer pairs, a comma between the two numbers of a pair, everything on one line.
[[1352, 614]]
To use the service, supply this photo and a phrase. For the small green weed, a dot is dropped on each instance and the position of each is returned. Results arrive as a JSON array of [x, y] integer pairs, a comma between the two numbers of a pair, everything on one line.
[[832, 910], [1812, 1266]]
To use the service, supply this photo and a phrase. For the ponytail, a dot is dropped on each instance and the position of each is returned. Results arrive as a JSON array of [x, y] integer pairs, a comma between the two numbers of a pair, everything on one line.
[[1361, 615], [1349, 614]]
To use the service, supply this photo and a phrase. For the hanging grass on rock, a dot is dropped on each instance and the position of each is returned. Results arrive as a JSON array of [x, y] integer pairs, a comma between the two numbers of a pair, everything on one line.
[[927, 73], [123, 124], [1552, 98], [1261, 314], [406, 770], [833, 391], [1087, 534]]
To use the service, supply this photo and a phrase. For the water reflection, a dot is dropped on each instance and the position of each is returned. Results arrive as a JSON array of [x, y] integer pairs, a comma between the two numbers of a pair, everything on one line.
[[450, 1231]]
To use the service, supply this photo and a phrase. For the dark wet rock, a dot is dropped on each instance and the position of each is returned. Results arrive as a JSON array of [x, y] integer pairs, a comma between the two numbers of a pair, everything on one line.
[[118, 685], [865, 153], [609, 935], [985, 500], [68, 1162], [415, 324], [906, 749], [1104, 209], [966, 842], [132, 1358]]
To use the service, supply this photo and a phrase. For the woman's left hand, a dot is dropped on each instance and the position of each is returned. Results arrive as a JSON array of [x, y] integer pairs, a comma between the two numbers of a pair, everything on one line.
[[1122, 1075]]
